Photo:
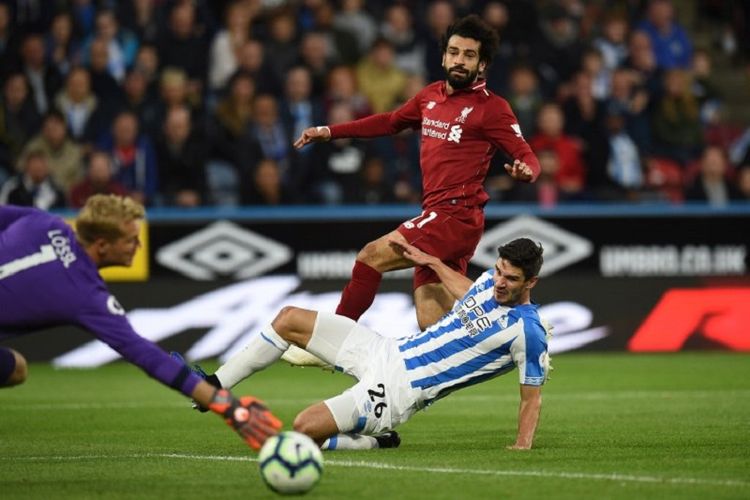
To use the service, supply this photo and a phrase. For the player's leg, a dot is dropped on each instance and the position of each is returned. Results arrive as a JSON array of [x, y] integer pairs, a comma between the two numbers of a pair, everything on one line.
[[322, 334], [292, 325], [13, 367], [318, 422], [372, 261], [432, 301]]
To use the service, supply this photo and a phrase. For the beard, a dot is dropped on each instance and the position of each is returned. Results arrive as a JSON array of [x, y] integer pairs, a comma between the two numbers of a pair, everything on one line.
[[461, 80]]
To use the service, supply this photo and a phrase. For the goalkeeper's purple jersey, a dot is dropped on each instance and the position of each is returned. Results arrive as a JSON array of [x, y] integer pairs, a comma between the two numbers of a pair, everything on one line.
[[47, 279]]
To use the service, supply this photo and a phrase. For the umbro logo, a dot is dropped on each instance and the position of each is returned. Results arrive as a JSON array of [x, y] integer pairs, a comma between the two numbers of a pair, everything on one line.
[[561, 248], [223, 249]]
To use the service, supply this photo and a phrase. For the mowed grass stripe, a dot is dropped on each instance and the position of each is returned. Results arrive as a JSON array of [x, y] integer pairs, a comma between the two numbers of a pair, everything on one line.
[[580, 396], [408, 468]]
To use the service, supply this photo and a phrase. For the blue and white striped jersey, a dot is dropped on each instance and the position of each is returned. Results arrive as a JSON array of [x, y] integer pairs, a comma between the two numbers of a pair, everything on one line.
[[477, 340]]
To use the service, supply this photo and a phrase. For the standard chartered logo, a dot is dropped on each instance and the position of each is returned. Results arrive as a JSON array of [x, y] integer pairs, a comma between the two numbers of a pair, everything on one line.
[[455, 134]]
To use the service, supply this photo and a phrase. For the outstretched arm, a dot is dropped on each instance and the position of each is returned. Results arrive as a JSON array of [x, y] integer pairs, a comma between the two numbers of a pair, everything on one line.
[[456, 283], [528, 416]]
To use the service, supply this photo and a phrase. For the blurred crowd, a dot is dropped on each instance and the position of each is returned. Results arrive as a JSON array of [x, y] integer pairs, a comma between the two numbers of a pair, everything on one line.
[[196, 103]]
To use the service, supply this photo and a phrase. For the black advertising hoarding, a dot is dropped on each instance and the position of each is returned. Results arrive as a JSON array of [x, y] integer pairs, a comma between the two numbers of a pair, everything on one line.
[[642, 282]]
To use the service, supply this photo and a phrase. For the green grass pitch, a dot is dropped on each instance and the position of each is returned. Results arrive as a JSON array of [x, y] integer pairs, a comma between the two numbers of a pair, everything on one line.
[[613, 426]]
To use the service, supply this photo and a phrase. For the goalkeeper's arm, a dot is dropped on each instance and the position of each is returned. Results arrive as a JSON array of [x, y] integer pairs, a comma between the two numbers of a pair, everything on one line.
[[248, 416]]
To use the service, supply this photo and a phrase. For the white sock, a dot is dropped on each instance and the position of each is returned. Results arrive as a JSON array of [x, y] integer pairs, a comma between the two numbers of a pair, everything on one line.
[[264, 348], [349, 442]]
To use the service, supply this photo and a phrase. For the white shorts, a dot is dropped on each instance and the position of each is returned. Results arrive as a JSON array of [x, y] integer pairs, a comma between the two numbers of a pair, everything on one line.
[[382, 398]]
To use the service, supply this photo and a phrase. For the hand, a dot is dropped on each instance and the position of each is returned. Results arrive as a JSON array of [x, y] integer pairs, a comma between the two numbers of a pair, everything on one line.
[[313, 134], [409, 251], [248, 416], [519, 171]]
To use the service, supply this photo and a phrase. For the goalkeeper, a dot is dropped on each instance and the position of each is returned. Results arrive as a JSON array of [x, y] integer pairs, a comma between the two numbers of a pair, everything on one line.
[[49, 277]]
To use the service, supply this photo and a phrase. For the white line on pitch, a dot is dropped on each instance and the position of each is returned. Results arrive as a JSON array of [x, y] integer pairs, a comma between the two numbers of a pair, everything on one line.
[[407, 468]]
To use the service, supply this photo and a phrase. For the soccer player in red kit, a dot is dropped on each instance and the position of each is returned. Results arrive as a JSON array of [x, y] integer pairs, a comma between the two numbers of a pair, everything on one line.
[[462, 125]]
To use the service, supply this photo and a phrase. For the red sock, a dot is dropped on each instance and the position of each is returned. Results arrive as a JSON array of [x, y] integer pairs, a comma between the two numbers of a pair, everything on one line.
[[359, 293]]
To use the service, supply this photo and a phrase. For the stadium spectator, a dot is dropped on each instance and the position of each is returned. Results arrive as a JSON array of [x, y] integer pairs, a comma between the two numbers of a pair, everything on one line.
[[318, 57], [141, 99], [33, 187], [558, 50], [268, 130], [704, 87], [252, 62], [265, 187], [676, 120], [395, 378], [19, 119], [147, 62], [181, 158], [133, 157], [233, 152], [624, 169], [525, 97], [67, 263], [585, 120], [335, 166], [440, 15], [378, 77], [355, 19], [670, 42], [453, 171], [374, 186], [64, 156], [712, 184], [299, 109], [140, 17], [612, 43], [398, 28], [631, 102], [106, 88], [497, 75], [226, 44], [282, 42], [571, 176], [98, 180], [642, 61], [120, 44], [45, 80], [342, 89], [545, 192], [61, 47], [342, 45], [83, 114], [9, 40], [182, 45], [743, 182]]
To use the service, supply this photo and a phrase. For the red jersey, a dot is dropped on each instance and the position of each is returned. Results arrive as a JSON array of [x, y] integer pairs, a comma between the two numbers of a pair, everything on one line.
[[460, 134]]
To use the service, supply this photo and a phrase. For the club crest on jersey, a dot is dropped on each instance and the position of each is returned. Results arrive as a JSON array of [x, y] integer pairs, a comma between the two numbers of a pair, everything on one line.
[[464, 114], [430, 104]]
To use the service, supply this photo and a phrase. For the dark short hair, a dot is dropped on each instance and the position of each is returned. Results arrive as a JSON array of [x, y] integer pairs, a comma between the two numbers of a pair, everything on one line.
[[472, 26], [524, 254]]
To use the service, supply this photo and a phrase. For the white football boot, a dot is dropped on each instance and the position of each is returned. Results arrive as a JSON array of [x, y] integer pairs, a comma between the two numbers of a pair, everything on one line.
[[297, 356]]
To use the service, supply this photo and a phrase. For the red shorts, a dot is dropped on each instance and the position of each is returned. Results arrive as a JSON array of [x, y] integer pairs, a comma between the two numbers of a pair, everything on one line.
[[447, 232]]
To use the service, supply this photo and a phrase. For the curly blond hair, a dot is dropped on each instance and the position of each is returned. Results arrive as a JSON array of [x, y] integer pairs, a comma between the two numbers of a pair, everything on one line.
[[103, 215]]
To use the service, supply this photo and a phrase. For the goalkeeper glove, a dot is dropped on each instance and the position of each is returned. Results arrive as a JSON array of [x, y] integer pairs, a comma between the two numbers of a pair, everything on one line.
[[248, 416]]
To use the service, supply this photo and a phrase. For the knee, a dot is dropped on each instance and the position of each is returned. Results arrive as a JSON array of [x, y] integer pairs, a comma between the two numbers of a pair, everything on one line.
[[284, 321], [19, 373], [303, 425]]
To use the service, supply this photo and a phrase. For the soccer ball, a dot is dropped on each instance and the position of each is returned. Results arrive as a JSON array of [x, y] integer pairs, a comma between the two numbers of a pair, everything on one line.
[[290, 462]]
